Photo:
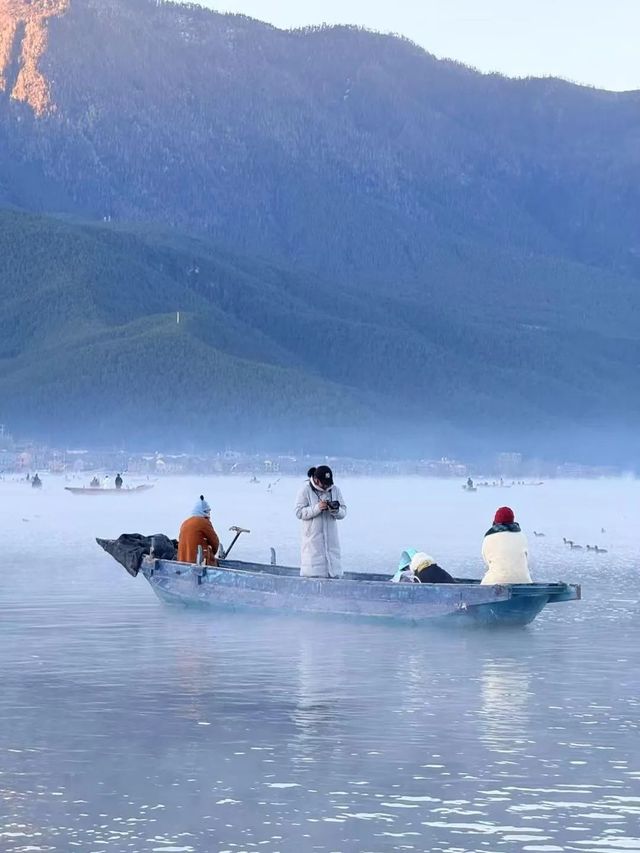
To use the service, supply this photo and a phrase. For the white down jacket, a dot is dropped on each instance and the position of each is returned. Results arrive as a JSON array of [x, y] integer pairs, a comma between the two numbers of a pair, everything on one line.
[[506, 555], [320, 542]]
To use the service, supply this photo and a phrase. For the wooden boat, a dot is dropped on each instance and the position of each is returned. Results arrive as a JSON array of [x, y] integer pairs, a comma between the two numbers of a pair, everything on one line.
[[98, 490], [239, 585]]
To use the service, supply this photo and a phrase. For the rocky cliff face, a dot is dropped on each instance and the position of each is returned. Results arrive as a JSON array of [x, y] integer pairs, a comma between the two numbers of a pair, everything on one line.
[[23, 42]]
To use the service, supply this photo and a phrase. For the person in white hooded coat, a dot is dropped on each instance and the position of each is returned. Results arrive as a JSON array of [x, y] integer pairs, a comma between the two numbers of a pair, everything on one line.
[[505, 550], [320, 506]]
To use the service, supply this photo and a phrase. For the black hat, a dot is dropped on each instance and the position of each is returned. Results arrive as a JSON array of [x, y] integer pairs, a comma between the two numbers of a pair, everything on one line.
[[324, 475]]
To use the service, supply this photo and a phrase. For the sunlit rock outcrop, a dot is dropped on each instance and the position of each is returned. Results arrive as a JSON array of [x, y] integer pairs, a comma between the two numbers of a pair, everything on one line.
[[23, 42]]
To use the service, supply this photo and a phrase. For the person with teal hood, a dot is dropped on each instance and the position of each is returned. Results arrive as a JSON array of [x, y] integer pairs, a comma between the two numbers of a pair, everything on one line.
[[402, 574], [418, 567]]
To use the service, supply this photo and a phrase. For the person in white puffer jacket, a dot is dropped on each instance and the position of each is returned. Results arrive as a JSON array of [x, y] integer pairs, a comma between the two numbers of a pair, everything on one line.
[[505, 550], [320, 506]]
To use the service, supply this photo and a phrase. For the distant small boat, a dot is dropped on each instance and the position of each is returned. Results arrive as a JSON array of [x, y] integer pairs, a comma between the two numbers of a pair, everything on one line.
[[98, 490], [469, 489]]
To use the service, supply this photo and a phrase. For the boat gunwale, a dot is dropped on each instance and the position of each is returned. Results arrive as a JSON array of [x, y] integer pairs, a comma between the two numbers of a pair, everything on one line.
[[555, 591]]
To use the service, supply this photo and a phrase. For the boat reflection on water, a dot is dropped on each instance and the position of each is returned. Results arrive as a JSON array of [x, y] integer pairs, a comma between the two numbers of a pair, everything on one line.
[[321, 671], [505, 689]]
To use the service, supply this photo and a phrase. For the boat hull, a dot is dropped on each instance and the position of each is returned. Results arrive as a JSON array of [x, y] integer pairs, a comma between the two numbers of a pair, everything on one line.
[[237, 586]]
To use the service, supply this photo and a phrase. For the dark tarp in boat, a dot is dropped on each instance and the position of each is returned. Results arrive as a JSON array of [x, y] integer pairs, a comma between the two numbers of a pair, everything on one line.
[[129, 549]]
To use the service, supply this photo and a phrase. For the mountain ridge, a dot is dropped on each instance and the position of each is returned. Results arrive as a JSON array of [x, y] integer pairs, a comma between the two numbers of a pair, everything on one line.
[[465, 246]]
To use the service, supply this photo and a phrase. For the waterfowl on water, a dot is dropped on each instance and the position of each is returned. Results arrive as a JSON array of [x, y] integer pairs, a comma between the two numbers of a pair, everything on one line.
[[535, 533]]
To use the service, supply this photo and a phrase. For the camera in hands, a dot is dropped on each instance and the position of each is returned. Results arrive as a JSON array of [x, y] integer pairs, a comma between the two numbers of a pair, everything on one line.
[[333, 506]]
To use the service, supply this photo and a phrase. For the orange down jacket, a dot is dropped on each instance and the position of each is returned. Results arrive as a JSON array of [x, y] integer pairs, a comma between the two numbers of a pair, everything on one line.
[[193, 532]]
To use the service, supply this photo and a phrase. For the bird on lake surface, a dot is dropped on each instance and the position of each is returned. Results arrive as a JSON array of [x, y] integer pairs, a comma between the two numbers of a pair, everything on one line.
[[535, 533], [575, 547]]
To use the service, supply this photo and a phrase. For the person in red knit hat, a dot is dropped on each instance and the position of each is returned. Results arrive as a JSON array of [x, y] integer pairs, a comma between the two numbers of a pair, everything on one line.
[[504, 515], [505, 550]]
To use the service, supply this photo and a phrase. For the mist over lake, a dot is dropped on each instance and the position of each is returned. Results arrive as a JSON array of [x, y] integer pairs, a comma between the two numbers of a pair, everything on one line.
[[127, 725]]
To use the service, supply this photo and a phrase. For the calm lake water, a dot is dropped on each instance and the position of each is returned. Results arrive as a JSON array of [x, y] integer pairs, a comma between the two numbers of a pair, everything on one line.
[[126, 725]]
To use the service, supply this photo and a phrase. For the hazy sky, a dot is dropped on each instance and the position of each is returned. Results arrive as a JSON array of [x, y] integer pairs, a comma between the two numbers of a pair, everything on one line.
[[588, 41]]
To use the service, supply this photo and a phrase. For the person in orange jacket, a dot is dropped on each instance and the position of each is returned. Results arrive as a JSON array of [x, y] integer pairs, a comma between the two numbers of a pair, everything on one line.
[[198, 530]]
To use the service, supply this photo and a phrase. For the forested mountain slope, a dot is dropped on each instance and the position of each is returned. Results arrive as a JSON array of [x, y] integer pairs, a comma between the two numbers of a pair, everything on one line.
[[403, 239], [89, 344]]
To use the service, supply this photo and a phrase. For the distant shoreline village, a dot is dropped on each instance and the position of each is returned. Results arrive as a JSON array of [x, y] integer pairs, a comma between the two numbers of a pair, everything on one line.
[[23, 456]]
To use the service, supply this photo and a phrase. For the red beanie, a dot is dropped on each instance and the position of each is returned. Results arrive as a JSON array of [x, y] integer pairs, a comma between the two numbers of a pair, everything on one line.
[[504, 515]]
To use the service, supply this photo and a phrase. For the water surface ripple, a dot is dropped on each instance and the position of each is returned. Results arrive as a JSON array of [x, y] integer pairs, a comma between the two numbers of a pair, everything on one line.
[[129, 726]]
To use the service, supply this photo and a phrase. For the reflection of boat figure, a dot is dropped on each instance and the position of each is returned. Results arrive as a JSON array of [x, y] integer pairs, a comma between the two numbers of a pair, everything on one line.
[[418, 687], [505, 705], [320, 665]]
